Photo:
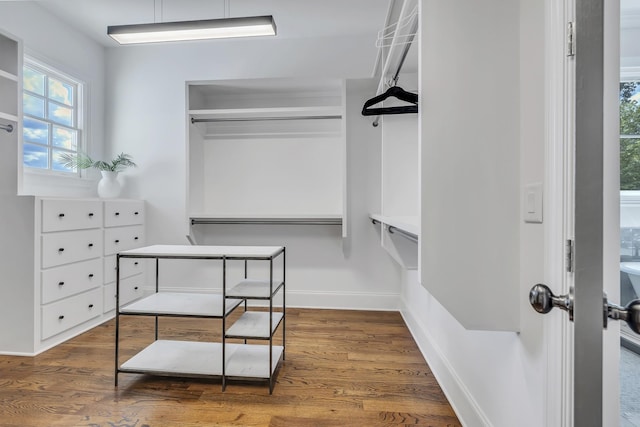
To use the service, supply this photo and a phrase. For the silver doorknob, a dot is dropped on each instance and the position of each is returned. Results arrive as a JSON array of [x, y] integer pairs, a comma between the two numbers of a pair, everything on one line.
[[629, 313], [543, 300]]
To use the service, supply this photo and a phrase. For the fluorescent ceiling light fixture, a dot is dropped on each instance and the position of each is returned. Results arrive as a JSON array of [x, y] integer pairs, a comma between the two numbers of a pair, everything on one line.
[[193, 30]]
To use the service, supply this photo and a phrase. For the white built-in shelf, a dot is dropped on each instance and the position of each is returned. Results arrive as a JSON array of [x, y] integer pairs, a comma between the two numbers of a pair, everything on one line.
[[181, 304], [408, 224], [253, 289], [204, 359], [266, 113], [6, 75], [7, 116], [293, 219], [255, 325]]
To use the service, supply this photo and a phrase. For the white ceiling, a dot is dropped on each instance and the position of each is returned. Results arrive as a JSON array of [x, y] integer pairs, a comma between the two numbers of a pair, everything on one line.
[[294, 18]]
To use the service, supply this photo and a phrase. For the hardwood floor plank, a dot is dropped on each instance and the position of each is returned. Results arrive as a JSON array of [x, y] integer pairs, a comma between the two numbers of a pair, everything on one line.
[[342, 368]]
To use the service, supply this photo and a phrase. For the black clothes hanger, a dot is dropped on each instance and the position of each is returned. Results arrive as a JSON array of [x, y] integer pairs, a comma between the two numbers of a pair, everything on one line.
[[396, 92]]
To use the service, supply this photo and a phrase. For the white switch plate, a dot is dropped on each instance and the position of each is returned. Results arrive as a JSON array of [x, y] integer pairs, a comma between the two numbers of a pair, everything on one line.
[[532, 203]]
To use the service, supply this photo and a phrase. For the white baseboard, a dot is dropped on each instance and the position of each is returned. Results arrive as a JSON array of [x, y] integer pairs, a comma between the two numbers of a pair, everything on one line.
[[466, 408], [321, 299]]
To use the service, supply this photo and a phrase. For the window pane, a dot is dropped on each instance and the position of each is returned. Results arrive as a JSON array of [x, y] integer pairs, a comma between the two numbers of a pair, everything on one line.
[[35, 131], [630, 108], [61, 92], [629, 164], [60, 114], [33, 105], [57, 165], [36, 156], [33, 81], [64, 138]]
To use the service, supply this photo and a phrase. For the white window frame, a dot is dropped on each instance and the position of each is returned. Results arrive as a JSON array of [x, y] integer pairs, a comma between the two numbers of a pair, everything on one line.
[[79, 122]]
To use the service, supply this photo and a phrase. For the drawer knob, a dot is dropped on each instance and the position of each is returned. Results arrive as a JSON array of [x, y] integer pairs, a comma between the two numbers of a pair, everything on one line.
[[60, 249], [90, 305], [135, 213], [135, 238], [117, 241], [60, 283], [117, 213], [90, 245], [60, 317], [61, 215], [90, 275], [135, 289], [135, 263], [90, 214]]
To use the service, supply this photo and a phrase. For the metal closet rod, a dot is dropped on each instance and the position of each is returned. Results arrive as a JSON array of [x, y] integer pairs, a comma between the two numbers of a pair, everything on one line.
[[258, 119], [8, 128], [405, 234]]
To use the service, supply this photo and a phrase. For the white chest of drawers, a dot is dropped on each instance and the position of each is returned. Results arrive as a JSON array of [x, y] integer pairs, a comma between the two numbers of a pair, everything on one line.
[[76, 243]]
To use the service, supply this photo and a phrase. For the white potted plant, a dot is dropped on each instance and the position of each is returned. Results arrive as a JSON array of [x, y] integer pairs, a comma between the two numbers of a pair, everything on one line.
[[109, 186]]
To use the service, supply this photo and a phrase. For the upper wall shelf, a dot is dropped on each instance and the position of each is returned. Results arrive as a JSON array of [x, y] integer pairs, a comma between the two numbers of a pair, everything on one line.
[[269, 113], [408, 224]]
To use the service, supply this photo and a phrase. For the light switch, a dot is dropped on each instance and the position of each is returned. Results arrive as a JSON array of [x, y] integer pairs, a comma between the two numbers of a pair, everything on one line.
[[532, 211]]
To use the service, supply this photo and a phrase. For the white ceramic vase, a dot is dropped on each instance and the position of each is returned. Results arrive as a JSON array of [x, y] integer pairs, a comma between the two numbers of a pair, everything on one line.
[[109, 187]]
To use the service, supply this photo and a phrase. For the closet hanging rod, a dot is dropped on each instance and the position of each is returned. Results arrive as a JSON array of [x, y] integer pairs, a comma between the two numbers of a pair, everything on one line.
[[268, 221], [257, 119], [405, 234], [8, 128]]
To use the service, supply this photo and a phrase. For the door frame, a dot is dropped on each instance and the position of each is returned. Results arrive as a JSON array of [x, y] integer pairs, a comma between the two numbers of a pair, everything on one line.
[[560, 119], [559, 207]]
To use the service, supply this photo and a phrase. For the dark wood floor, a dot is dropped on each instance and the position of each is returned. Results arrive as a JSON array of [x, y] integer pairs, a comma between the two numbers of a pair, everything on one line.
[[342, 368]]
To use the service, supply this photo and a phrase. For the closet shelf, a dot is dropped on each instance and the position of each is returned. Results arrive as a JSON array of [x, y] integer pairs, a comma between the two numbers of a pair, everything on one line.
[[268, 113], [7, 75], [408, 224], [285, 219], [7, 116]]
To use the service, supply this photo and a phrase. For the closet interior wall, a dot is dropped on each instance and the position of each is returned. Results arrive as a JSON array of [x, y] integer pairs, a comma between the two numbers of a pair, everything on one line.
[[251, 182]]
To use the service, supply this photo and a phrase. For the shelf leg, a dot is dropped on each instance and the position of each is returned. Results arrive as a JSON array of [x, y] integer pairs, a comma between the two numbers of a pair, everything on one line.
[[224, 322]]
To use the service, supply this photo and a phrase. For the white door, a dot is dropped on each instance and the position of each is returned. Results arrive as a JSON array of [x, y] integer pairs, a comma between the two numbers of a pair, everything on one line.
[[592, 220]]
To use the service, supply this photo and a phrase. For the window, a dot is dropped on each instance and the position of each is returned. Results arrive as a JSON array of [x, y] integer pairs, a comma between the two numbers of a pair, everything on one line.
[[52, 117], [630, 135]]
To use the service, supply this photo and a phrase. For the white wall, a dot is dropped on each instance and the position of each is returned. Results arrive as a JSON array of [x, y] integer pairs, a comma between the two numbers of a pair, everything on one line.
[[54, 42], [495, 378], [146, 117]]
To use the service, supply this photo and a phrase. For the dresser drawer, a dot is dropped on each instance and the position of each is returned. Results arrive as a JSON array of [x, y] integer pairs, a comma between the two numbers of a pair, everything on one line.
[[123, 212], [65, 314], [123, 238], [70, 246], [60, 215], [131, 289], [128, 267], [109, 297], [61, 282]]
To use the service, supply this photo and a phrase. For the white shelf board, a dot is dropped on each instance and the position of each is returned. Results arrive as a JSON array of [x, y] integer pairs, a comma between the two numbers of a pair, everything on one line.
[[251, 360], [410, 224], [267, 112], [251, 288], [255, 324], [181, 304], [191, 358], [7, 75], [10, 117], [203, 251]]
